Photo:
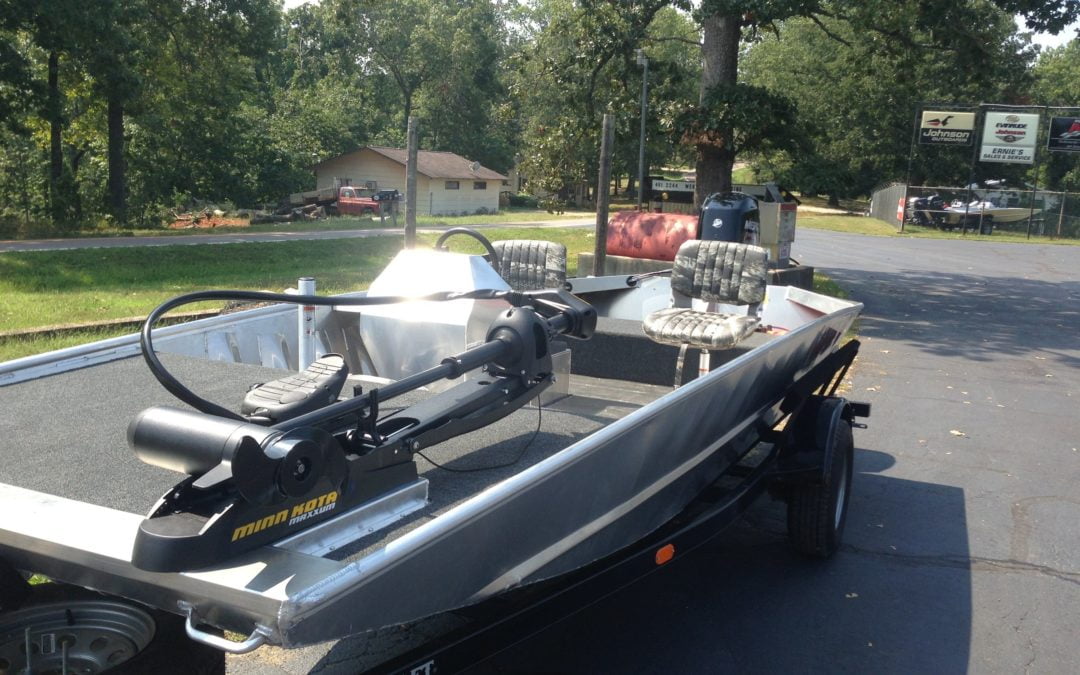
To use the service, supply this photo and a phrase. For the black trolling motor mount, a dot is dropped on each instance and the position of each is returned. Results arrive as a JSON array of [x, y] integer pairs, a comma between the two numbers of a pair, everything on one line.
[[296, 456]]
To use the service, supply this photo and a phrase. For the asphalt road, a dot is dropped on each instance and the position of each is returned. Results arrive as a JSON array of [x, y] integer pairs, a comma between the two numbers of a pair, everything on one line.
[[7, 246], [962, 551]]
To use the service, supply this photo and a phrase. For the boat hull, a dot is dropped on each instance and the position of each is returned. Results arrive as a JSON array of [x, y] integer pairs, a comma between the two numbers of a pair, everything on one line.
[[592, 499], [955, 215]]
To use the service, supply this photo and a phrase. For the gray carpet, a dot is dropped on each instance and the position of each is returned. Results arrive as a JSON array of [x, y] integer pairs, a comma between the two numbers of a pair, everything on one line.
[[66, 434]]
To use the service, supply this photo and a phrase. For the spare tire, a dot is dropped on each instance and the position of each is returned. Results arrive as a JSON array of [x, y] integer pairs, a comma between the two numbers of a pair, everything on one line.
[[95, 633]]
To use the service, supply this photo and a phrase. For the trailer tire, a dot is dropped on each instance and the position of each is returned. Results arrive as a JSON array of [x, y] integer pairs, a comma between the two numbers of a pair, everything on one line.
[[817, 511], [101, 628]]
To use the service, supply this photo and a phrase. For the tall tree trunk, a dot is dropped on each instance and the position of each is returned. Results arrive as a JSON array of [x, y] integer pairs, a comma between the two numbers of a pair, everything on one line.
[[56, 157], [76, 200], [117, 174], [407, 95], [720, 66]]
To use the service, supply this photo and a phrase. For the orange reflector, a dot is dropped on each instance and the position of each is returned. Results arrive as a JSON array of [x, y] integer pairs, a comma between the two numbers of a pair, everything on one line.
[[665, 554]]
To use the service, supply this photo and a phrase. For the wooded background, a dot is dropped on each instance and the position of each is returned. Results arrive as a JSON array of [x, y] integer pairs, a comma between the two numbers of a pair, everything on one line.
[[119, 111]]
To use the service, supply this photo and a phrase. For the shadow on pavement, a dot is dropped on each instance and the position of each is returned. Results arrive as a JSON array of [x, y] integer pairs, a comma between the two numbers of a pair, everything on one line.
[[895, 599], [968, 316]]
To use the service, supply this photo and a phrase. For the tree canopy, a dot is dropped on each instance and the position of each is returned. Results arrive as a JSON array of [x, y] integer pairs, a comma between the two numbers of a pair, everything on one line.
[[122, 110]]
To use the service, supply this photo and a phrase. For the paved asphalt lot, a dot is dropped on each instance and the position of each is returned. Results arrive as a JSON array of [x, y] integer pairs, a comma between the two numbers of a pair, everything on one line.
[[962, 551]]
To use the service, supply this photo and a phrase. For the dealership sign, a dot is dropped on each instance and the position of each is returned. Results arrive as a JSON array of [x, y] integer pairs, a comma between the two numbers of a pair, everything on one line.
[[1064, 134], [941, 127], [1009, 137]]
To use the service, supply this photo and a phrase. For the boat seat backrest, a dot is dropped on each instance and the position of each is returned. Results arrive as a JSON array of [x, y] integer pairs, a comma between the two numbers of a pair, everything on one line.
[[721, 272], [530, 265]]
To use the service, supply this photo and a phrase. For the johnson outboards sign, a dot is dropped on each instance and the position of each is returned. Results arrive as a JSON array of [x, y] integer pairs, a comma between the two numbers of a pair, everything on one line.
[[1009, 138], [941, 127]]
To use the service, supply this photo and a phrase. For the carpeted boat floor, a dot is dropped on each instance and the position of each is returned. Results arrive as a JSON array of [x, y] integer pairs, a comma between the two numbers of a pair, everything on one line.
[[66, 434]]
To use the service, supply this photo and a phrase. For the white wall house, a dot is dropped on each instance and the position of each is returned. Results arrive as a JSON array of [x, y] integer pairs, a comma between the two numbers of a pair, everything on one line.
[[446, 183]]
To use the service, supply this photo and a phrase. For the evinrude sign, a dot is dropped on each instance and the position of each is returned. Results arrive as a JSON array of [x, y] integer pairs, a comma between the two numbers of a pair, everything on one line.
[[1064, 134], [1009, 138], [941, 127]]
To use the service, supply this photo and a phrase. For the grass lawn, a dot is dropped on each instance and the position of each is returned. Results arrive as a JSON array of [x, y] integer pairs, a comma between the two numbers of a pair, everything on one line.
[[51, 288], [743, 175]]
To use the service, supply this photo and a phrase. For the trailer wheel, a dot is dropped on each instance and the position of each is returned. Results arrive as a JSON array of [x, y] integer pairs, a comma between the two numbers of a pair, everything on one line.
[[987, 226], [101, 633], [817, 511]]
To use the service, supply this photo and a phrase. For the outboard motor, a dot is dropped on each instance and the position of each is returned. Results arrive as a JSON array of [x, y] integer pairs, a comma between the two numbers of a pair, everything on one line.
[[731, 216], [928, 211]]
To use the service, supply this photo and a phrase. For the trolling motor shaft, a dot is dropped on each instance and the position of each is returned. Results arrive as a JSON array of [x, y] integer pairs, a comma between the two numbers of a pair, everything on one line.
[[294, 452]]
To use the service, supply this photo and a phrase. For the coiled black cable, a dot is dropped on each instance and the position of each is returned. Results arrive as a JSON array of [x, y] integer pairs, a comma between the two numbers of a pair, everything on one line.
[[181, 392]]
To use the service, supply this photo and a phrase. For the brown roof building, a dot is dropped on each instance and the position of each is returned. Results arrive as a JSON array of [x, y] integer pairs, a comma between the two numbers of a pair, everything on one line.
[[446, 183]]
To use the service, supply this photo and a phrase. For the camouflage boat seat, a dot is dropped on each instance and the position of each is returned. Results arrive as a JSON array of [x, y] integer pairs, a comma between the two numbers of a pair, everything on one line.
[[530, 265], [718, 272]]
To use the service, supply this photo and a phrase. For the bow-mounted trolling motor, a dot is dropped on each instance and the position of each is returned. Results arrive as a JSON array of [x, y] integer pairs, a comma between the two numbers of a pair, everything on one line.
[[296, 456]]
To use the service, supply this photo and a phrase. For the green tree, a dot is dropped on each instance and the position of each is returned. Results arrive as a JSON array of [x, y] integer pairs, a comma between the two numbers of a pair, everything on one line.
[[199, 129], [946, 24], [855, 97], [1057, 83], [579, 64]]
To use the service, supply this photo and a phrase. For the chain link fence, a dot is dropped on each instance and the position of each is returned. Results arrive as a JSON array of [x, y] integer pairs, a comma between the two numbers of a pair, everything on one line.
[[887, 203], [1038, 213]]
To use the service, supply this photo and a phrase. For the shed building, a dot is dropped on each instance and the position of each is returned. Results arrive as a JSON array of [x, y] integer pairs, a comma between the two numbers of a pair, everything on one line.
[[446, 183]]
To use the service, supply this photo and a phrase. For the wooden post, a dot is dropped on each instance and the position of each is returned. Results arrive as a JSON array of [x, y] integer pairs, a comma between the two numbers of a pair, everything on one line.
[[603, 192], [410, 184]]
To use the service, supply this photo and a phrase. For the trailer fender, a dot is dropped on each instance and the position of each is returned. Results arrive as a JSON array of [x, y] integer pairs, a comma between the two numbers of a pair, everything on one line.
[[807, 454]]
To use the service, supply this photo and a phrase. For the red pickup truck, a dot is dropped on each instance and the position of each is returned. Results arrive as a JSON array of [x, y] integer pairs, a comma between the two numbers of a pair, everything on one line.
[[347, 199], [356, 201]]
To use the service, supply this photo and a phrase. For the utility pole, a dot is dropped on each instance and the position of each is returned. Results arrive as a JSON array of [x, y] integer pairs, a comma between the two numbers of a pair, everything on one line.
[[643, 61], [603, 195], [410, 184]]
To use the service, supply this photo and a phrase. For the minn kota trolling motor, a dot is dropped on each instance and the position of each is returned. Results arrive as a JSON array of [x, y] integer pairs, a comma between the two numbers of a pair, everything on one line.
[[296, 456]]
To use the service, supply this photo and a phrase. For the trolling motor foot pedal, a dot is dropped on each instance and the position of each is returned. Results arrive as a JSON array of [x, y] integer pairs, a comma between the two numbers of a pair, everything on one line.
[[318, 386]]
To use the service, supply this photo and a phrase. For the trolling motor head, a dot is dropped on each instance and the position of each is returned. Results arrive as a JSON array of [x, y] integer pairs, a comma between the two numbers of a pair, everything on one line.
[[247, 484], [266, 465]]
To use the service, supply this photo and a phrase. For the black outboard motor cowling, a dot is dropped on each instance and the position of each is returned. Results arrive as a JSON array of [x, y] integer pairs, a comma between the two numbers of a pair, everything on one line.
[[724, 217]]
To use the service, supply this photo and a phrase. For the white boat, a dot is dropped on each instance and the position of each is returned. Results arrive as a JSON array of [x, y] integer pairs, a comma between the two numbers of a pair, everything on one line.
[[985, 212]]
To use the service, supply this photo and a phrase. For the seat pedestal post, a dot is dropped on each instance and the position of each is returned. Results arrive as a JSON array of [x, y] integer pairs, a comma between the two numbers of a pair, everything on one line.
[[703, 363], [679, 365]]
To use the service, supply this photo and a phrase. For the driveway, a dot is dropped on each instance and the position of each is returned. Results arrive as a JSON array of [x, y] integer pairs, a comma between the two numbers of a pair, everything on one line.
[[961, 552], [962, 548]]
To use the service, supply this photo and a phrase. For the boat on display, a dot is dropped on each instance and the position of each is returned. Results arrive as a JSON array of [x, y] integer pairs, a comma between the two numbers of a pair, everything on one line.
[[423, 446], [958, 211]]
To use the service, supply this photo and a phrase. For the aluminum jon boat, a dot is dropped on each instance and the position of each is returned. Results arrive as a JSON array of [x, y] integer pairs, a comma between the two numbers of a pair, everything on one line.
[[423, 446]]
